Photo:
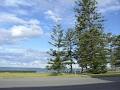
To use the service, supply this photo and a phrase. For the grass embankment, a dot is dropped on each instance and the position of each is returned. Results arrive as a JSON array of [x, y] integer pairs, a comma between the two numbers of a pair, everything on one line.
[[48, 75]]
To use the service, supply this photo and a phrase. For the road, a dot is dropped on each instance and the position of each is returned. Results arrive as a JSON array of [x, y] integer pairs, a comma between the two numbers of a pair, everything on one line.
[[61, 84]]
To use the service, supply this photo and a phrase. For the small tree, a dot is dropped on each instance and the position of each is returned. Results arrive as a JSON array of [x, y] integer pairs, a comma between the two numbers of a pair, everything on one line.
[[68, 48], [110, 49], [116, 50], [56, 62]]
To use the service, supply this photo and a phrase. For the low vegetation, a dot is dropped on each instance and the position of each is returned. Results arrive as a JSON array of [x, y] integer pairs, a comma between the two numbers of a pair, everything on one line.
[[49, 75], [34, 75]]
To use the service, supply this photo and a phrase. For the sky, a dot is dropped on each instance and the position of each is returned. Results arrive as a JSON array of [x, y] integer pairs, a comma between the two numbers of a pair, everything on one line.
[[25, 27]]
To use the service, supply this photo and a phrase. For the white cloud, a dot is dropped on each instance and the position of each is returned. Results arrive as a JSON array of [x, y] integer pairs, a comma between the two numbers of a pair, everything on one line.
[[11, 18], [18, 33], [34, 22], [109, 9], [4, 36], [21, 29], [26, 31], [15, 3], [14, 19], [109, 5], [50, 14], [32, 64], [16, 57]]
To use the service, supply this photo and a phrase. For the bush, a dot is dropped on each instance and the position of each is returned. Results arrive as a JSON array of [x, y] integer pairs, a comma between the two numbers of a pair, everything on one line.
[[98, 70]]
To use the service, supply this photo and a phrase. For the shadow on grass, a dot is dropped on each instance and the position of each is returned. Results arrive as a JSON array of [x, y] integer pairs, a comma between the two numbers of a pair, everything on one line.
[[102, 86], [114, 77], [104, 75]]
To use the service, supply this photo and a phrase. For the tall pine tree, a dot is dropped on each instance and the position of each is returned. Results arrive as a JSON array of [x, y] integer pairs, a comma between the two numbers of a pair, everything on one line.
[[91, 51], [56, 62]]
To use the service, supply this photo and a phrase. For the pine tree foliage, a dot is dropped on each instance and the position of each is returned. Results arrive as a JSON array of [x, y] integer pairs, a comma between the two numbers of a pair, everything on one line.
[[69, 48], [56, 62], [116, 46], [91, 51]]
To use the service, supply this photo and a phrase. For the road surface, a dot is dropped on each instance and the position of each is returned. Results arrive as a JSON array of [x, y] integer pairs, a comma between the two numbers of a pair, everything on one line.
[[61, 84]]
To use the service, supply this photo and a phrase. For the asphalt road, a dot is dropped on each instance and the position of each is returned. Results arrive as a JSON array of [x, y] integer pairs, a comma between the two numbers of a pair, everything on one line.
[[61, 84], [108, 86]]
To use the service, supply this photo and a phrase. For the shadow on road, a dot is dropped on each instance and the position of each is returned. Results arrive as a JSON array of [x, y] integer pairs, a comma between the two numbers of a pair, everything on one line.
[[113, 79], [103, 86]]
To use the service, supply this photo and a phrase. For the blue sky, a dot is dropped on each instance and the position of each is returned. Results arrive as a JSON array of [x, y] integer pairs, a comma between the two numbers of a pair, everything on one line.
[[25, 27]]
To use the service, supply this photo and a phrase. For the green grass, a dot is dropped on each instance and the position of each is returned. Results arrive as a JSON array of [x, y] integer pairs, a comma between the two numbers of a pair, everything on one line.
[[48, 75], [20, 75], [33, 75], [108, 74]]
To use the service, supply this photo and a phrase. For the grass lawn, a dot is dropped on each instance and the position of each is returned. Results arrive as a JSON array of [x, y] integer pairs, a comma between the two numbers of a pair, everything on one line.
[[48, 75], [34, 75]]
